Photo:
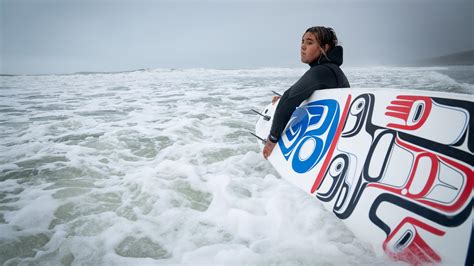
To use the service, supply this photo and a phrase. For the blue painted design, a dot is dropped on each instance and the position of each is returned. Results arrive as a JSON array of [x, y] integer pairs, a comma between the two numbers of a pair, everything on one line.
[[305, 126]]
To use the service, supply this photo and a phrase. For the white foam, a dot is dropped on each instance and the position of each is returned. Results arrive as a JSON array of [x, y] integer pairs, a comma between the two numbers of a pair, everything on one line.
[[157, 167], [35, 210]]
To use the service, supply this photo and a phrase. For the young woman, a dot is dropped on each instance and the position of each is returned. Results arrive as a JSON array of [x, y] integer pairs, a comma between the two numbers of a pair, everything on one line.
[[319, 49]]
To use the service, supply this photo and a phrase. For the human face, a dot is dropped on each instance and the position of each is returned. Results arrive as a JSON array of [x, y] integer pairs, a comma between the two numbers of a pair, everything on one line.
[[310, 48]]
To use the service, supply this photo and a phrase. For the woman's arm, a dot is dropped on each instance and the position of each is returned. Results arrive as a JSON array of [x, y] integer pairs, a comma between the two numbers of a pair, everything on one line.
[[290, 100], [313, 79]]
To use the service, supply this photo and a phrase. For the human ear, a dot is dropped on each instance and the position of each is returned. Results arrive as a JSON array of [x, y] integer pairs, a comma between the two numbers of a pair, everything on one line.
[[326, 48]]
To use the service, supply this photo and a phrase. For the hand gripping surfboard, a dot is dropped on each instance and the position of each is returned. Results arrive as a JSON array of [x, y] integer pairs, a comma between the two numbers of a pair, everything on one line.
[[394, 165]]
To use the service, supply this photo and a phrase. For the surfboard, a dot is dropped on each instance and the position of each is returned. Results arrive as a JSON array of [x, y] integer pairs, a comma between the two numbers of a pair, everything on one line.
[[394, 165]]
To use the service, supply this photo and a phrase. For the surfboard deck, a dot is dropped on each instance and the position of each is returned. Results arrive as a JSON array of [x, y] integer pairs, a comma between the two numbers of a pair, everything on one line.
[[395, 165]]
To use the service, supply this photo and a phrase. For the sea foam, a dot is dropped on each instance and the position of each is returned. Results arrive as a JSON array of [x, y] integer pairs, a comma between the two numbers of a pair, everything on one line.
[[157, 167]]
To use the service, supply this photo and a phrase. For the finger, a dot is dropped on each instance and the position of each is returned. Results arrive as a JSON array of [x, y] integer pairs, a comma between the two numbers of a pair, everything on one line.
[[274, 99], [266, 154]]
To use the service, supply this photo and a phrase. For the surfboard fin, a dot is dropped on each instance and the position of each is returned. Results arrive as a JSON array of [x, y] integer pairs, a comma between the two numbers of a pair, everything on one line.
[[265, 117], [255, 135]]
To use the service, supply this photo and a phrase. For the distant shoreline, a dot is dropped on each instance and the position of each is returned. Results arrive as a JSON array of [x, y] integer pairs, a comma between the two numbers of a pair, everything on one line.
[[465, 58]]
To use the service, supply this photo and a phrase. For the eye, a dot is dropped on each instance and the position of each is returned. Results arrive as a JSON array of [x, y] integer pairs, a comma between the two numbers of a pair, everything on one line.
[[358, 106], [336, 167]]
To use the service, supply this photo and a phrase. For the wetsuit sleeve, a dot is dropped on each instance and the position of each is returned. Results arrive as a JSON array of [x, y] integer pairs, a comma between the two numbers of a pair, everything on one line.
[[312, 80]]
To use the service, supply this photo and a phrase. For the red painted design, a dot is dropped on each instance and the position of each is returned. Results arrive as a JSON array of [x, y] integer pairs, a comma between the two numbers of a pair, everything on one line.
[[403, 106], [328, 158], [417, 251], [461, 199]]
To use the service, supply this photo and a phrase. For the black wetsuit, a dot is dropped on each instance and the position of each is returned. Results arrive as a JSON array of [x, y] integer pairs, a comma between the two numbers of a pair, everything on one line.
[[323, 74]]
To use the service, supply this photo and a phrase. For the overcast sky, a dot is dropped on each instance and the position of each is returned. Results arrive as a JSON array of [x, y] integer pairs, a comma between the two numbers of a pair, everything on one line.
[[65, 36]]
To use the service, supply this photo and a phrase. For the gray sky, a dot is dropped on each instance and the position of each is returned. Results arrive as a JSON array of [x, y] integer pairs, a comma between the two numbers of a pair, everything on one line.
[[54, 36]]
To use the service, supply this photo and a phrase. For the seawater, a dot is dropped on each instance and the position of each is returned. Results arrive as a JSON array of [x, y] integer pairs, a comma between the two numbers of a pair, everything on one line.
[[157, 167]]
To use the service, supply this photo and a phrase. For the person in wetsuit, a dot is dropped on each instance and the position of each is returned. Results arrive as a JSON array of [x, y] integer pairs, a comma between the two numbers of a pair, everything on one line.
[[319, 49]]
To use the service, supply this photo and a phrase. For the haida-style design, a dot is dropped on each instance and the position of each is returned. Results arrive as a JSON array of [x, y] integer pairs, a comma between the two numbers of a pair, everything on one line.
[[394, 165]]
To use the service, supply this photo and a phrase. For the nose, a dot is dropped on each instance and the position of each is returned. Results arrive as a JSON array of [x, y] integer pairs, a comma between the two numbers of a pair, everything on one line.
[[303, 46]]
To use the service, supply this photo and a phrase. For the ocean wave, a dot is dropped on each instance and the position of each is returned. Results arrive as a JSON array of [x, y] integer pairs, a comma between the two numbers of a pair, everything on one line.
[[156, 167]]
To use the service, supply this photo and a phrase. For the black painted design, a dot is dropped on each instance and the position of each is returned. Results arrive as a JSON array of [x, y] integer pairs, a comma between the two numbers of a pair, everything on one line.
[[345, 191]]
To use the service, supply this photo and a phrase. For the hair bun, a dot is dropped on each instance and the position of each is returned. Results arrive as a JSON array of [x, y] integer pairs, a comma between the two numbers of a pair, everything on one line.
[[333, 37]]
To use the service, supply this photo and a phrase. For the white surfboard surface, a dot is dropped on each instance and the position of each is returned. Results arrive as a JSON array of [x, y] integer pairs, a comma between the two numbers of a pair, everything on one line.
[[395, 165]]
